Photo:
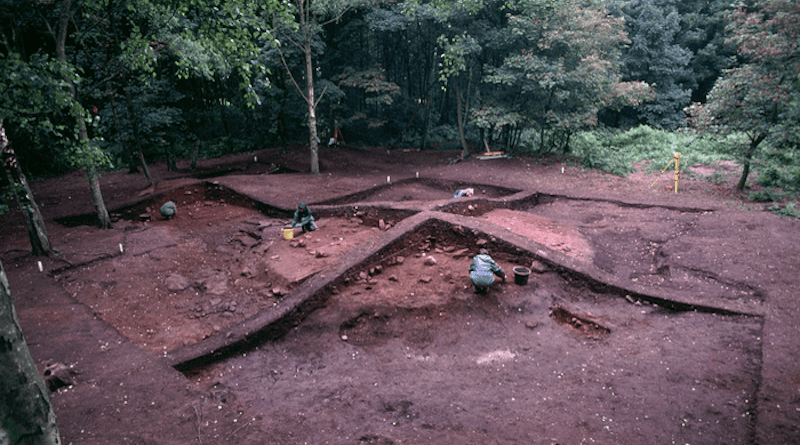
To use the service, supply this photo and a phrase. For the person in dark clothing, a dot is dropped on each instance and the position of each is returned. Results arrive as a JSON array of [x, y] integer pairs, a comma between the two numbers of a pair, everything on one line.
[[303, 218], [482, 271]]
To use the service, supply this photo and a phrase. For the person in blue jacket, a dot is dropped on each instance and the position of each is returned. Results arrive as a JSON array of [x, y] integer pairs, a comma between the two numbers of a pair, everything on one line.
[[482, 271], [303, 218]]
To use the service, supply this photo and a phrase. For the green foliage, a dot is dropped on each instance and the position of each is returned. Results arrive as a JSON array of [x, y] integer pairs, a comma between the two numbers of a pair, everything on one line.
[[565, 70], [373, 84], [33, 92], [616, 151], [654, 57], [765, 196], [595, 153], [715, 178], [790, 210], [759, 98]]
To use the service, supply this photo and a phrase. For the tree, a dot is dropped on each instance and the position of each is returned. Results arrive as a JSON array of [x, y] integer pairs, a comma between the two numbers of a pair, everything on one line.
[[309, 18], [655, 57], [760, 97], [34, 100], [86, 153], [565, 71], [26, 414], [18, 183]]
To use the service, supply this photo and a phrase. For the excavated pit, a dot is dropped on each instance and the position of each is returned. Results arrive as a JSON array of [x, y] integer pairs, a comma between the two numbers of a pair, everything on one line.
[[378, 343]]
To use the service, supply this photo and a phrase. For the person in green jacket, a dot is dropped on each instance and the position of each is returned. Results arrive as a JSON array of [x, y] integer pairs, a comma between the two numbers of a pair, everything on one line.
[[482, 271], [302, 217], [168, 210]]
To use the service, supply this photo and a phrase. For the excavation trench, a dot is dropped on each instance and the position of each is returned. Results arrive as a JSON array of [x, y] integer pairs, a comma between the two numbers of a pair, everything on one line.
[[366, 338]]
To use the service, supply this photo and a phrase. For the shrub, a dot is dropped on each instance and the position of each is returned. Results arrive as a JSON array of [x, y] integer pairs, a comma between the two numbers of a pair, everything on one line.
[[790, 210]]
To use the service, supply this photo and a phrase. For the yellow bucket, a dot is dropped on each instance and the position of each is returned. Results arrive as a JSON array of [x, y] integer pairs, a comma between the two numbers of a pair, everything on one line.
[[288, 233]]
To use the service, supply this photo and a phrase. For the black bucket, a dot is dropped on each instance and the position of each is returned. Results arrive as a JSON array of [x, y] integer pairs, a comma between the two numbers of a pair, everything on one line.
[[521, 275]]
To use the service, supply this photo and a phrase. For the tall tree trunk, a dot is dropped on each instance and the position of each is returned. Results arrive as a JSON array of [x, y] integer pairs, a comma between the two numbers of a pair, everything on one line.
[[195, 155], [748, 157], [40, 242], [146, 170], [460, 117], [138, 143], [312, 112], [104, 221], [26, 414], [427, 129]]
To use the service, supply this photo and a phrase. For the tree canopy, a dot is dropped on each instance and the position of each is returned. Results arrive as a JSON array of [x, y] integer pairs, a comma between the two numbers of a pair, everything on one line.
[[759, 97], [158, 79]]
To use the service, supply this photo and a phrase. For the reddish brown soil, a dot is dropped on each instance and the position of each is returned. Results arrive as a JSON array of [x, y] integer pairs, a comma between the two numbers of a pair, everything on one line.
[[408, 353]]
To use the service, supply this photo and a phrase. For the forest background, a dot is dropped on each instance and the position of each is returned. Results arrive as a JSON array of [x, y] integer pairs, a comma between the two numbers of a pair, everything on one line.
[[108, 84]]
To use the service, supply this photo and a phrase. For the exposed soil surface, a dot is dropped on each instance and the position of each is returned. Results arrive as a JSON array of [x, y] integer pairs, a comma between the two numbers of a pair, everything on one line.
[[648, 317]]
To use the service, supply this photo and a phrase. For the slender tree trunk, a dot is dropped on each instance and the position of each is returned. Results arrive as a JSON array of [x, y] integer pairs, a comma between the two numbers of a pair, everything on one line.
[[137, 142], [460, 116], [312, 113], [40, 242], [26, 414], [431, 81], [195, 155], [748, 157], [104, 221], [146, 170]]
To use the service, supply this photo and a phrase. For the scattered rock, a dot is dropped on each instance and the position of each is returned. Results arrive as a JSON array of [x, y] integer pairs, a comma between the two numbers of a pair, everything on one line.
[[322, 254], [362, 275], [399, 260], [425, 279], [531, 324], [215, 301], [382, 224], [248, 271], [177, 283], [481, 242], [538, 267], [58, 375], [430, 261], [460, 253], [247, 240], [278, 292], [393, 278], [216, 284]]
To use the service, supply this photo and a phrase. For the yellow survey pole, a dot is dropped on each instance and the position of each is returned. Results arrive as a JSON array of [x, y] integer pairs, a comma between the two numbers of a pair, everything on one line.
[[676, 158]]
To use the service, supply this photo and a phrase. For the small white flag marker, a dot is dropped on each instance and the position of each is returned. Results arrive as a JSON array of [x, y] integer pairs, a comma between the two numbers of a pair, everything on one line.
[[121, 250], [41, 268]]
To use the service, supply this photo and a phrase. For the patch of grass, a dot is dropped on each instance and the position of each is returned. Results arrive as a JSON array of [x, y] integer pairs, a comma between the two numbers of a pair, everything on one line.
[[790, 210], [766, 196], [715, 178], [617, 151]]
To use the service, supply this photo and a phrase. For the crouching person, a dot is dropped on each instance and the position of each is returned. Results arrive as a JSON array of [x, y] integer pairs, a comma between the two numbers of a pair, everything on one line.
[[482, 271], [302, 217]]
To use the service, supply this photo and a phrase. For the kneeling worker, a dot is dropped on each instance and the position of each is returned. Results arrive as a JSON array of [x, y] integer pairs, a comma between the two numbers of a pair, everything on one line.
[[303, 218], [482, 271]]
